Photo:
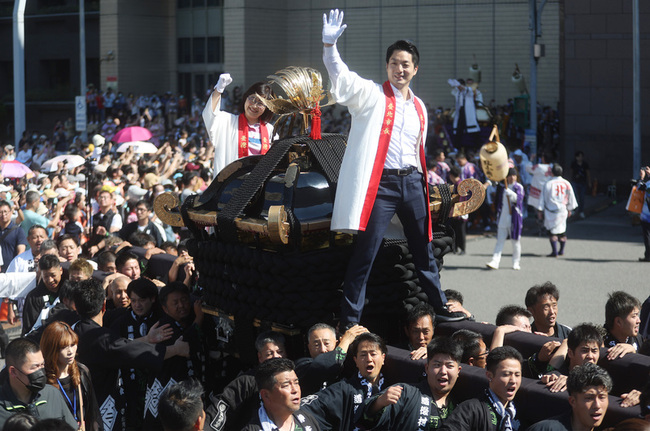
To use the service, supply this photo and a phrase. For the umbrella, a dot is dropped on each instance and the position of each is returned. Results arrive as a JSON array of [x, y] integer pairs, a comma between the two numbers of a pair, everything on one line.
[[15, 169], [73, 161], [138, 147], [130, 134]]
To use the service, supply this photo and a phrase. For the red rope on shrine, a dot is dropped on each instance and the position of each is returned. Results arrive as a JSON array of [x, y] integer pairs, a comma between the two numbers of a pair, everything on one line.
[[315, 123]]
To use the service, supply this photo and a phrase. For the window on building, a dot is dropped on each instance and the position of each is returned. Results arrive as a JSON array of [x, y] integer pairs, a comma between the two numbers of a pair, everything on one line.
[[184, 50], [7, 78], [55, 73], [198, 50], [181, 4], [199, 84], [215, 50], [92, 71], [44, 4], [215, 3], [198, 3], [185, 83], [6, 8], [213, 77], [54, 78]]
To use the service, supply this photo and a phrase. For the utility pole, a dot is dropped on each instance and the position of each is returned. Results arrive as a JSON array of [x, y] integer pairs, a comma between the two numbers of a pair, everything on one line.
[[536, 51], [636, 91], [82, 63], [18, 21]]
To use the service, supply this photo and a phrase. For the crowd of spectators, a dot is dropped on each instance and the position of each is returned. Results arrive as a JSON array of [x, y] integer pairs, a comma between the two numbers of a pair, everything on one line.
[[136, 335], [511, 134]]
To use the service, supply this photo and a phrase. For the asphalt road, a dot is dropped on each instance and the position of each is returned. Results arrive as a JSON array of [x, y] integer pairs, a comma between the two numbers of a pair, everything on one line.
[[601, 256]]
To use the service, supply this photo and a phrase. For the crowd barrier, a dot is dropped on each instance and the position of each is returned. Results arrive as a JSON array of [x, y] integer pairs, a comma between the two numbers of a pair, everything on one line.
[[629, 372], [534, 402]]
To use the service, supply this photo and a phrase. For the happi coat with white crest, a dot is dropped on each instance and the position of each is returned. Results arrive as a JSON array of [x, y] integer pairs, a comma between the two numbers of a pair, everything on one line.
[[557, 200], [371, 106], [226, 131]]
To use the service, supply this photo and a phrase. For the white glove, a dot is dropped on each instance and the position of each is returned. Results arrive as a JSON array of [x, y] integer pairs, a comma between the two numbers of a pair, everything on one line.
[[223, 82], [332, 28]]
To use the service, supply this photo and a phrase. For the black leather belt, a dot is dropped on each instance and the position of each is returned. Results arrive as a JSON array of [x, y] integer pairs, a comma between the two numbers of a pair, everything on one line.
[[400, 172]]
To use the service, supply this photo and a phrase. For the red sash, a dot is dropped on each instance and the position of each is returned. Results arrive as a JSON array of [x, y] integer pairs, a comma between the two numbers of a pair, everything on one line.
[[242, 138], [382, 150], [423, 162]]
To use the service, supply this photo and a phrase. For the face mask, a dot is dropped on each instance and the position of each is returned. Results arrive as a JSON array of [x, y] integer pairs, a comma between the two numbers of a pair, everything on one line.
[[37, 380]]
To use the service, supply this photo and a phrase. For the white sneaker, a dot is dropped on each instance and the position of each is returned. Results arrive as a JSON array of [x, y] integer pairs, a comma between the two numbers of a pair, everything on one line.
[[516, 266], [492, 265]]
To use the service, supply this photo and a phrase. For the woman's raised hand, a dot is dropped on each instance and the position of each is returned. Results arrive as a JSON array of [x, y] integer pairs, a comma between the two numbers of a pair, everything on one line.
[[223, 82]]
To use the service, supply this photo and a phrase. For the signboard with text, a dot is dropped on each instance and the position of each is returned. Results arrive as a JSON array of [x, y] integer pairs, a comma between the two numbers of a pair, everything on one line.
[[111, 82], [80, 113]]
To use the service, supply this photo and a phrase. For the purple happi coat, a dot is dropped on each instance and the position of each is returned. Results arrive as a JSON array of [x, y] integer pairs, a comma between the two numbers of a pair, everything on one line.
[[517, 208]]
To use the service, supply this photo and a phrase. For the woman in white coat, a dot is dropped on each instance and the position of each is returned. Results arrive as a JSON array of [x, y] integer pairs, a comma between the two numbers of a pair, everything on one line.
[[236, 136]]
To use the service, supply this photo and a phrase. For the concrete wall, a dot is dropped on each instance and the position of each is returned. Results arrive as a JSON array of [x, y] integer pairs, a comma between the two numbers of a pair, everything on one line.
[[142, 36], [41, 46], [448, 35], [597, 78], [255, 39]]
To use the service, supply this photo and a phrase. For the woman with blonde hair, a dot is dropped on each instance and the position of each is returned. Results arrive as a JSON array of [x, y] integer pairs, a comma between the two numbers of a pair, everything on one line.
[[59, 346]]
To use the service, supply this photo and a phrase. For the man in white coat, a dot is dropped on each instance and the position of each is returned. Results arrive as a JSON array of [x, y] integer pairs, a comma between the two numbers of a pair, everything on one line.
[[382, 171], [557, 201], [465, 120]]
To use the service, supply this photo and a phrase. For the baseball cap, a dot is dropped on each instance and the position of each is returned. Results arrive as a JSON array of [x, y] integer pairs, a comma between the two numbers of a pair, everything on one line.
[[98, 140], [150, 180], [42, 209], [64, 193], [136, 193], [50, 194], [76, 178]]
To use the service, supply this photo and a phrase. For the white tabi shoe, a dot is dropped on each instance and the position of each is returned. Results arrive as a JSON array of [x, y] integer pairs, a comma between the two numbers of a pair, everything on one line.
[[492, 265]]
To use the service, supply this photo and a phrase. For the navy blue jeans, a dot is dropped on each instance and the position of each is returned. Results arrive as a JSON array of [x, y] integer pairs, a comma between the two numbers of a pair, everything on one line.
[[645, 226], [404, 196]]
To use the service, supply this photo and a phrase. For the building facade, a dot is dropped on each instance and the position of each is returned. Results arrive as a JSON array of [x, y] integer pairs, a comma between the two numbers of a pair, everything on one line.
[[182, 46], [596, 84]]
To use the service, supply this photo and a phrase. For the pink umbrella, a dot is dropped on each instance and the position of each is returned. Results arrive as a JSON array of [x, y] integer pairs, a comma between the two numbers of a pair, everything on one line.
[[130, 134], [15, 169]]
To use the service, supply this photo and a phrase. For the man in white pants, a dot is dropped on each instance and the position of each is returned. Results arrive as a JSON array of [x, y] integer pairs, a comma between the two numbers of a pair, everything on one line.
[[557, 201], [510, 205]]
